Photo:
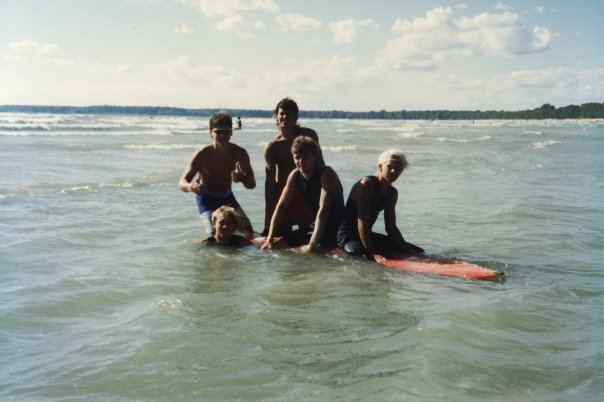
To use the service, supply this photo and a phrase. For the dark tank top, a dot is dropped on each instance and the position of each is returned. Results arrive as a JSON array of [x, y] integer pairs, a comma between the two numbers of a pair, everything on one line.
[[349, 227], [310, 190], [235, 240]]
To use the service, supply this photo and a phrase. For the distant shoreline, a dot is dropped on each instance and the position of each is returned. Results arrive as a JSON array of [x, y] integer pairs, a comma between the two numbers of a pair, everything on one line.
[[547, 111]]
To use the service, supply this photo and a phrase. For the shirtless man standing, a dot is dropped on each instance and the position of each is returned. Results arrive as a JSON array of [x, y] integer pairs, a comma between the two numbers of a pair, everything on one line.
[[279, 164], [218, 165]]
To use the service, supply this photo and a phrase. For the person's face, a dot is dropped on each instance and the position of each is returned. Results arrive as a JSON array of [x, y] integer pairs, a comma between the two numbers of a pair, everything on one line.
[[286, 118], [224, 226], [220, 135], [390, 170], [305, 162]]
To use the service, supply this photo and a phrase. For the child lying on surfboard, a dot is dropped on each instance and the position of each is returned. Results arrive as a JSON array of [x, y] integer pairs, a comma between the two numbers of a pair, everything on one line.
[[224, 221], [368, 197]]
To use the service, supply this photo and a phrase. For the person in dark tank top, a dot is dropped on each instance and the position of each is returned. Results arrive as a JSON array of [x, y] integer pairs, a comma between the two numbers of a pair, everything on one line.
[[319, 187], [368, 197]]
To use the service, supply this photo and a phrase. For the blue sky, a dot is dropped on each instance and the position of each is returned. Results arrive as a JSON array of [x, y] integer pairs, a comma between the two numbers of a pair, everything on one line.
[[345, 55]]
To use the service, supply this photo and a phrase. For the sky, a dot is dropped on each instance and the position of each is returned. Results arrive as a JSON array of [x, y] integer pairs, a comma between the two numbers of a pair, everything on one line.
[[327, 55]]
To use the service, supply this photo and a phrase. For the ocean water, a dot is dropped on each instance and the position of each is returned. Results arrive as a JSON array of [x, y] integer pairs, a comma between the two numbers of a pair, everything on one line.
[[105, 296]]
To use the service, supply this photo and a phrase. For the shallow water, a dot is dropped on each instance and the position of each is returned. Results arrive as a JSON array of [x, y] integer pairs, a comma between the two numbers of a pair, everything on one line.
[[105, 295]]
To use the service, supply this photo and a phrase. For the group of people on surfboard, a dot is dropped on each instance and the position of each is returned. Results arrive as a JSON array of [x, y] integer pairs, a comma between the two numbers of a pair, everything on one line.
[[304, 197]]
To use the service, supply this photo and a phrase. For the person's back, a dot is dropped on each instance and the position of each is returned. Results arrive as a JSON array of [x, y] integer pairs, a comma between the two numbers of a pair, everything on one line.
[[376, 203]]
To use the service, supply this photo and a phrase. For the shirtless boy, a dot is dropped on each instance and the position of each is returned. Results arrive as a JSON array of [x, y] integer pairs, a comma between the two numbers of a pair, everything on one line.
[[225, 220], [218, 165], [320, 189], [279, 164], [368, 197]]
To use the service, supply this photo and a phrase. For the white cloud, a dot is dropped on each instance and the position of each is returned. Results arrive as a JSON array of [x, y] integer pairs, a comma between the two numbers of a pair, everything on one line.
[[238, 25], [226, 8], [426, 42], [296, 22], [110, 70], [502, 6], [233, 14], [461, 6], [29, 50], [183, 28], [346, 31], [314, 76], [540, 9], [30, 47], [186, 69], [242, 16], [59, 62], [527, 88]]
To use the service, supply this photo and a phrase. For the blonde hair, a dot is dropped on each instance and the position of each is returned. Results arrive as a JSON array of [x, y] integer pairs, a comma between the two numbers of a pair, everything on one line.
[[394, 155], [225, 211]]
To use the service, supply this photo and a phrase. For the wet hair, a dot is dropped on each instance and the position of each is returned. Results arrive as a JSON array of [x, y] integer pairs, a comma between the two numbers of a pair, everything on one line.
[[221, 120], [303, 144], [225, 211], [394, 155], [287, 104]]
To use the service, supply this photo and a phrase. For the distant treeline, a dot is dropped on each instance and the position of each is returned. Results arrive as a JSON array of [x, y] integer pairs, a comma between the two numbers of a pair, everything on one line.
[[547, 111]]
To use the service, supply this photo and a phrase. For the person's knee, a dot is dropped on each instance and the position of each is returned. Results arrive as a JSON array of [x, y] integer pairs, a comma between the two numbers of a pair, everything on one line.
[[353, 247]]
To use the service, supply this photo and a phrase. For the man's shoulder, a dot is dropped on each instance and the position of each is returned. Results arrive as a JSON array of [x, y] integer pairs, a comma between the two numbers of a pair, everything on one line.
[[208, 148], [308, 132], [276, 141], [328, 172], [237, 148]]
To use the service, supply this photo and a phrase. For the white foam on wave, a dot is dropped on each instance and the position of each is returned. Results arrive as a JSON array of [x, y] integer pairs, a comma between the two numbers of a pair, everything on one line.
[[414, 134], [24, 126], [398, 129], [457, 140], [260, 130], [159, 145], [532, 132], [168, 304], [50, 133], [543, 144], [345, 130], [341, 148], [464, 140], [81, 188], [76, 189]]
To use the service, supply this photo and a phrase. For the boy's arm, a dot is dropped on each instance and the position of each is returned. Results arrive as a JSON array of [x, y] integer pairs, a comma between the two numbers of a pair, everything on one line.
[[330, 187], [363, 198], [270, 185], [390, 220], [393, 232], [243, 171], [184, 184], [284, 200]]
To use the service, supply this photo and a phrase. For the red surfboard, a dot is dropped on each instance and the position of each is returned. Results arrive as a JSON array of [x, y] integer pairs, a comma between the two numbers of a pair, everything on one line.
[[422, 264]]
